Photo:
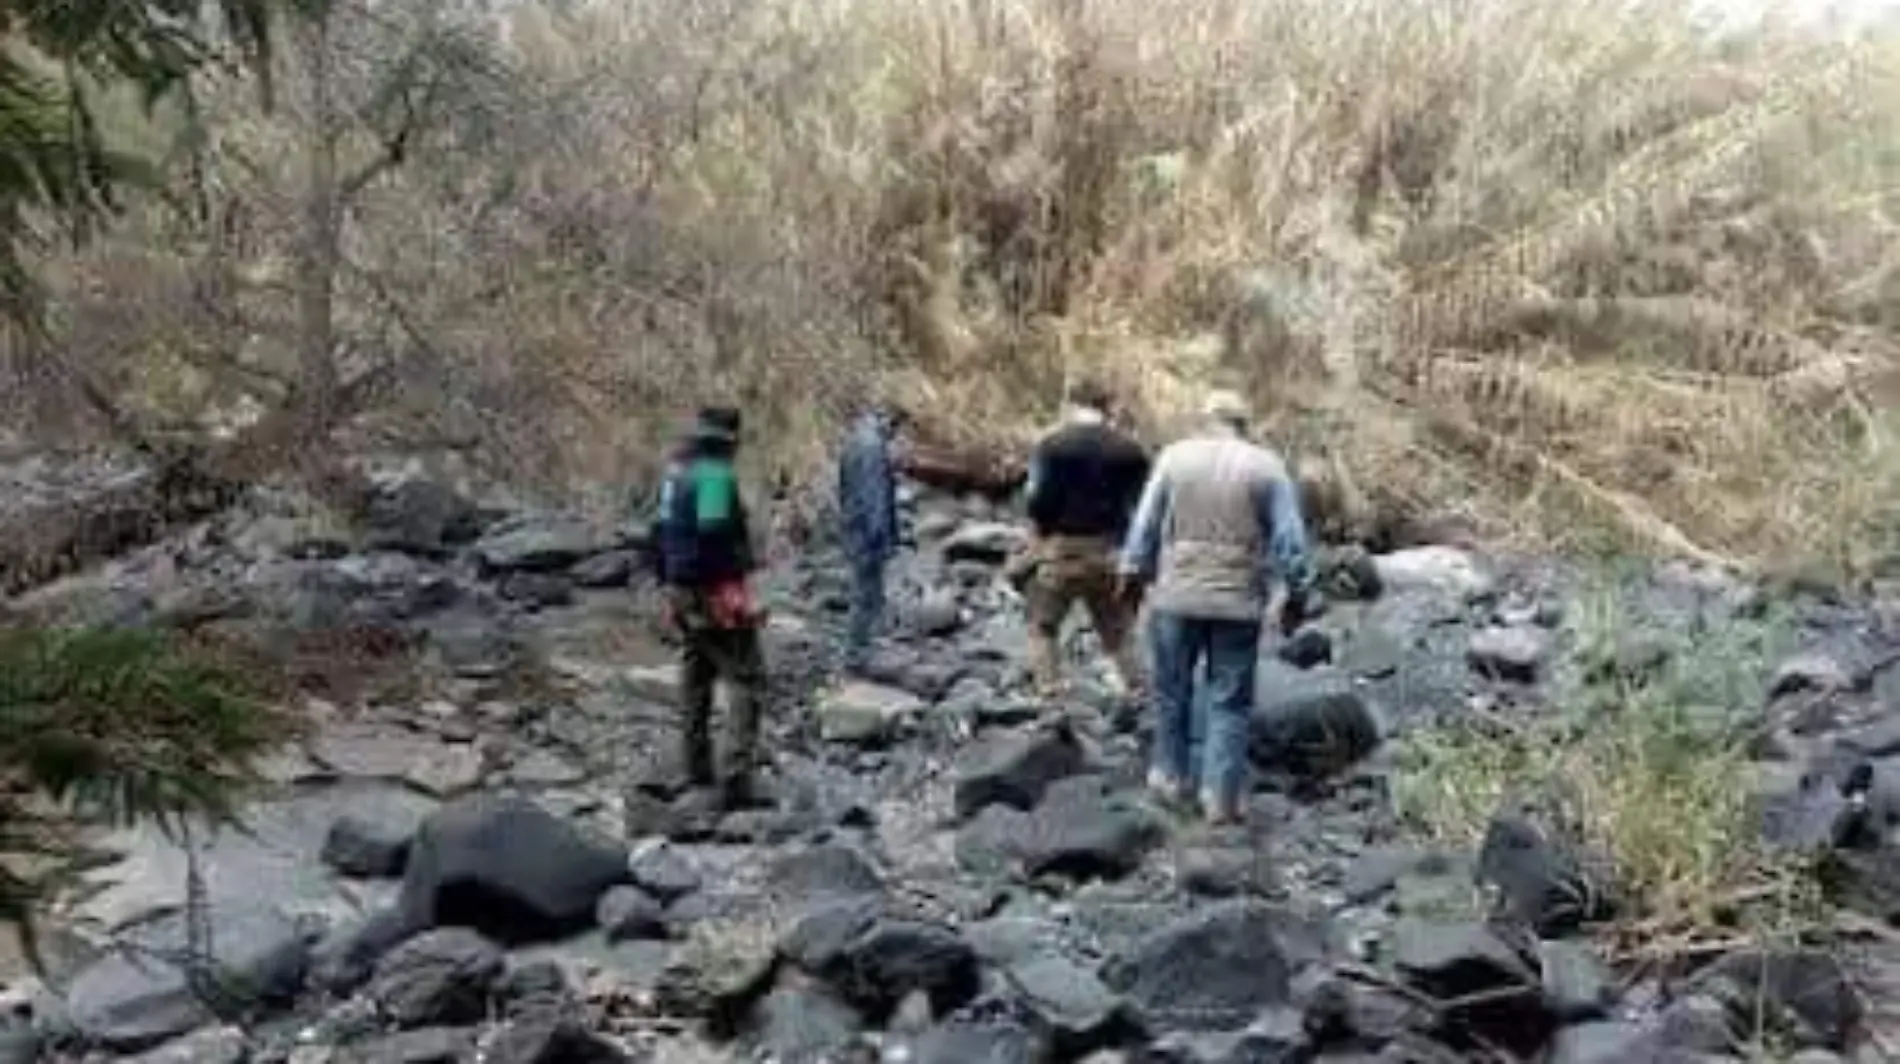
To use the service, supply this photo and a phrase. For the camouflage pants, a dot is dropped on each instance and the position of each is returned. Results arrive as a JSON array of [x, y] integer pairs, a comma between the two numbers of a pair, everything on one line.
[[712, 654], [1068, 570]]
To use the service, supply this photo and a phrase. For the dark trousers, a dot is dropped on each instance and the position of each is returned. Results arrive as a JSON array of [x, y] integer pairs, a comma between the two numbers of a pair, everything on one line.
[[867, 607], [731, 654]]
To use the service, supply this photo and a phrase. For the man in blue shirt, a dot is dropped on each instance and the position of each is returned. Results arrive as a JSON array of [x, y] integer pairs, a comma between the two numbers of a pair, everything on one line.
[[867, 509]]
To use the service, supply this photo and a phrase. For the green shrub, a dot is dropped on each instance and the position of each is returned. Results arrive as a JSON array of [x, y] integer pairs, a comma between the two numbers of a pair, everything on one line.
[[1648, 758], [119, 725]]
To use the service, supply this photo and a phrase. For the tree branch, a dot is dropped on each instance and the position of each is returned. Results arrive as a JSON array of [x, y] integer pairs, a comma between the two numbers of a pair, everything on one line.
[[394, 151]]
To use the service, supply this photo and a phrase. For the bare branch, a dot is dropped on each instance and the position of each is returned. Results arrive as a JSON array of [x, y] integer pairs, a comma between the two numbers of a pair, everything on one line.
[[394, 152]]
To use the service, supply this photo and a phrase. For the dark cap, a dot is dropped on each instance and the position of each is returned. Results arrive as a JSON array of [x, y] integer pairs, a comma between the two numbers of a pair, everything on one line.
[[718, 423], [1090, 393]]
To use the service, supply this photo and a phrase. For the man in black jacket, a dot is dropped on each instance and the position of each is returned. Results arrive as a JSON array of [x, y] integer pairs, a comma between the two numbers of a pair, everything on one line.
[[1085, 479]]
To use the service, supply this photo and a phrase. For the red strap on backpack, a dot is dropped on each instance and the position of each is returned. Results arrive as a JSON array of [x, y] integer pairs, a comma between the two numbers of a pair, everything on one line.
[[731, 605]]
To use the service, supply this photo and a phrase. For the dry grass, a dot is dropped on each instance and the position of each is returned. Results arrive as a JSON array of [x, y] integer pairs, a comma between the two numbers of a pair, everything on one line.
[[1581, 271], [1650, 770]]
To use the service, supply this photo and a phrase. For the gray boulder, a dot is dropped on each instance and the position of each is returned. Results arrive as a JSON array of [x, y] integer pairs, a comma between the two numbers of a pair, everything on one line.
[[505, 866], [139, 996], [438, 978], [1016, 768], [1213, 969]]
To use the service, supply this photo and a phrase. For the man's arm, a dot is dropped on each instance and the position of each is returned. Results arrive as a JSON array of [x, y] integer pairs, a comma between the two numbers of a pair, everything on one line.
[[676, 542], [1287, 555], [1138, 469], [1141, 550], [745, 552]]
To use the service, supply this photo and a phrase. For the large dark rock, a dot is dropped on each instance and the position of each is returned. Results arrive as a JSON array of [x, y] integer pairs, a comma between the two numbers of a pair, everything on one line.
[[1309, 736], [1084, 830], [1016, 768], [874, 958], [1500, 994], [438, 978], [1544, 881], [1213, 969], [1803, 996], [508, 868]]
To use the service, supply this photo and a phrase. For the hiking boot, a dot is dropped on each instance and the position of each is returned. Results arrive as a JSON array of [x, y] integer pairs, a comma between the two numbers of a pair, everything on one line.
[[1217, 812]]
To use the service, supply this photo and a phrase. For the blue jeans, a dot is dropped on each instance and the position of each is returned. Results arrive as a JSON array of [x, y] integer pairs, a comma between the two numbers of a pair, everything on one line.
[[867, 607], [1217, 723]]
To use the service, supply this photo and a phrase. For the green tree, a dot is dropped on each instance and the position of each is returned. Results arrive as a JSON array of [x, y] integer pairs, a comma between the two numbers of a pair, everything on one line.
[[58, 174]]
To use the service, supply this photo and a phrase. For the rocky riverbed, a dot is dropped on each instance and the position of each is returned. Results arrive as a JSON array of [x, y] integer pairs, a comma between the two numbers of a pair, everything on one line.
[[491, 861]]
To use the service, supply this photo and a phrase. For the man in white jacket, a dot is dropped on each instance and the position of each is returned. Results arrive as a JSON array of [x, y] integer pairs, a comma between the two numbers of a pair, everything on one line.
[[1218, 519]]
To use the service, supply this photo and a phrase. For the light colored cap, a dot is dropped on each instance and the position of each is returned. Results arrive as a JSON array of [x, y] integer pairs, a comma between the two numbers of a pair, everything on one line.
[[1225, 404]]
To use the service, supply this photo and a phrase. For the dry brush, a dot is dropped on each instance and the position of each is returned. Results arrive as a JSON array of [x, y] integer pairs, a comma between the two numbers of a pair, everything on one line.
[[1588, 271]]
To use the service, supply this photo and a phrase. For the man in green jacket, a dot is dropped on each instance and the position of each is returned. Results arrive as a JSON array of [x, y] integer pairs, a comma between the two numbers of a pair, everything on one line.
[[705, 565]]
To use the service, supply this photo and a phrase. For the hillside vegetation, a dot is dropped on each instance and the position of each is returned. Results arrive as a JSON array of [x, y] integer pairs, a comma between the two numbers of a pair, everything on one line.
[[1586, 271]]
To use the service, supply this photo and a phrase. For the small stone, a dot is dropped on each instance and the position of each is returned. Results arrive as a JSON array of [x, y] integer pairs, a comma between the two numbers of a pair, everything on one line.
[[661, 871], [1516, 653], [539, 768], [445, 773], [631, 913], [1306, 648], [216, 1045], [1814, 672], [1436, 568], [937, 613], [984, 541], [359, 846], [1576, 985], [865, 713]]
